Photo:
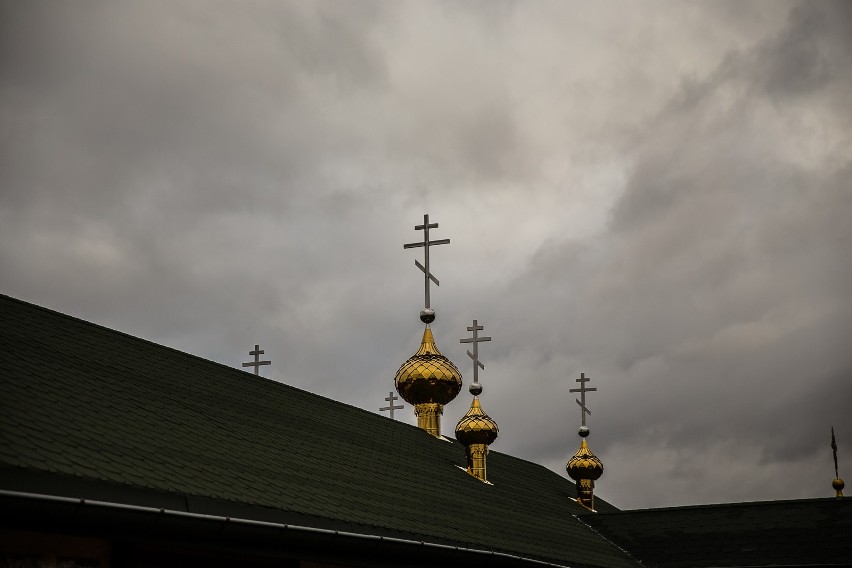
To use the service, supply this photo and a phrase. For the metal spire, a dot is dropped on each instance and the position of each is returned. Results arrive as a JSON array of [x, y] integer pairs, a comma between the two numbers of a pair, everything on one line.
[[837, 484], [584, 467], [390, 407], [427, 312], [257, 362], [582, 400], [477, 364], [476, 430]]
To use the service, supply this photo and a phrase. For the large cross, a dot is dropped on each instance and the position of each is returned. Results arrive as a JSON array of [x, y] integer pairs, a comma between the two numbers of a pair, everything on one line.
[[426, 244], [257, 362], [582, 400], [477, 364], [391, 398]]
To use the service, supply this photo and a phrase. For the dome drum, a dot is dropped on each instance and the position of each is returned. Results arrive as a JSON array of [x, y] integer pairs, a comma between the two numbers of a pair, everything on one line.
[[476, 460], [429, 417]]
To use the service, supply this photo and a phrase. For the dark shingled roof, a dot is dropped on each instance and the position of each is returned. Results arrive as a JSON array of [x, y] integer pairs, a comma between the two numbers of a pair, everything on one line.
[[90, 412], [771, 533]]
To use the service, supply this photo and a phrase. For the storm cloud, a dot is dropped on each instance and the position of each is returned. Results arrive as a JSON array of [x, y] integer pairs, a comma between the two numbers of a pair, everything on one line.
[[655, 194]]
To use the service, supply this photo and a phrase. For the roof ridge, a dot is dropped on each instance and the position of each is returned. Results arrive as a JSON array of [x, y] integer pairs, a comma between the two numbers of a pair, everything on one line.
[[768, 503], [125, 334], [248, 376]]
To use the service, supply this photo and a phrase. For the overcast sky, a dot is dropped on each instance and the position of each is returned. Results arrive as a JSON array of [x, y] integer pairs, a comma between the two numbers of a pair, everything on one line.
[[656, 194]]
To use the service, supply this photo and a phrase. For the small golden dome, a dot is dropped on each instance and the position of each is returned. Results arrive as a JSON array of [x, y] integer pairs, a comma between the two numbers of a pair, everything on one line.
[[584, 464], [838, 486], [476, 427], [428, 376]]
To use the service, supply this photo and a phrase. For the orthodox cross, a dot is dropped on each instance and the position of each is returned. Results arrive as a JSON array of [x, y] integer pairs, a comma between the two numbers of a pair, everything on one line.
[[426, 244], [390, 407], [257, 362], [582, 400], [477, 364]]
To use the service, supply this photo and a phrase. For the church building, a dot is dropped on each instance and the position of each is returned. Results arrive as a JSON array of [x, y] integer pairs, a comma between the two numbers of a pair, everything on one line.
[[119, 452]]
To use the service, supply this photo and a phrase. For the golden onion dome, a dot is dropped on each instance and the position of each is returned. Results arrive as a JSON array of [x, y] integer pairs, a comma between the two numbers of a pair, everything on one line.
[[584, 464], [476, 427], [428, 376]]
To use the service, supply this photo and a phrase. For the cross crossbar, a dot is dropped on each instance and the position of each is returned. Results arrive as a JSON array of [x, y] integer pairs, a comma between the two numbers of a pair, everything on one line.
[[477, 361], [426, 272], [431, 243]]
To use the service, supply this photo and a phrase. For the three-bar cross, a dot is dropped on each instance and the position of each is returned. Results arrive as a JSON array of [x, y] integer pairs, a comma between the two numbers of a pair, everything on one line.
[[477, 364], [426, 244], [582, 400], [257, 362], [390, 407]]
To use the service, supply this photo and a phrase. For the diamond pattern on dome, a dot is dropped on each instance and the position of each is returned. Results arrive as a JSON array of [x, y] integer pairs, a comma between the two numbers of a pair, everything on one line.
[[584, 464], [428, 376], [476, 427]]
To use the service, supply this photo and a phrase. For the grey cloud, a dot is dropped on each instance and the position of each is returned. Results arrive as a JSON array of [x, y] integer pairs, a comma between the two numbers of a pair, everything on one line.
[[809, 53], [665, 209], [715, 307]]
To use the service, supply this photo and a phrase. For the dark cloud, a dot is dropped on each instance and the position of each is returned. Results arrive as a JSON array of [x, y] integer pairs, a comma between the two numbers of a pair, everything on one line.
[[721, 294], [657, 196], [808, 55]]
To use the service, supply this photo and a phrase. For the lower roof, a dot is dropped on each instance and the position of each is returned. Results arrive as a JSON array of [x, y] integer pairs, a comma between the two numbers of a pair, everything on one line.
[[808, 532]]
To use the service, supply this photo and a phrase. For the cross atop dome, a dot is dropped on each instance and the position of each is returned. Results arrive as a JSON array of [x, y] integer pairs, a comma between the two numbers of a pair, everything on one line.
[[475, 388], [584, 467], [427, 314], [428, 380], [584, 410], [476, 430]]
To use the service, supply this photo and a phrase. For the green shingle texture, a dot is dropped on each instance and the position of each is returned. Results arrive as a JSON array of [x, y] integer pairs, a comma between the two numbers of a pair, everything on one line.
[[812, 532], [81, 402]]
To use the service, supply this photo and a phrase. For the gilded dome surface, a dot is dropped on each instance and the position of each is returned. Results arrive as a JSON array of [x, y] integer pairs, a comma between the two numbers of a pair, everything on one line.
[[428, 376], [584, 464], [476, 427]]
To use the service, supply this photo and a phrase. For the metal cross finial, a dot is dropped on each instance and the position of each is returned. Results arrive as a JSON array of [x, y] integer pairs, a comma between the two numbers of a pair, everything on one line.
[[257, 362], [426, 244], [477, 364], [390, 398], [582, 400]]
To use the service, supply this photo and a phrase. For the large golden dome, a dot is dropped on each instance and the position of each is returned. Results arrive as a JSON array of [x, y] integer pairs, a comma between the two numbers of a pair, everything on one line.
[[584, 464], [476, 427], [428, 376]]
